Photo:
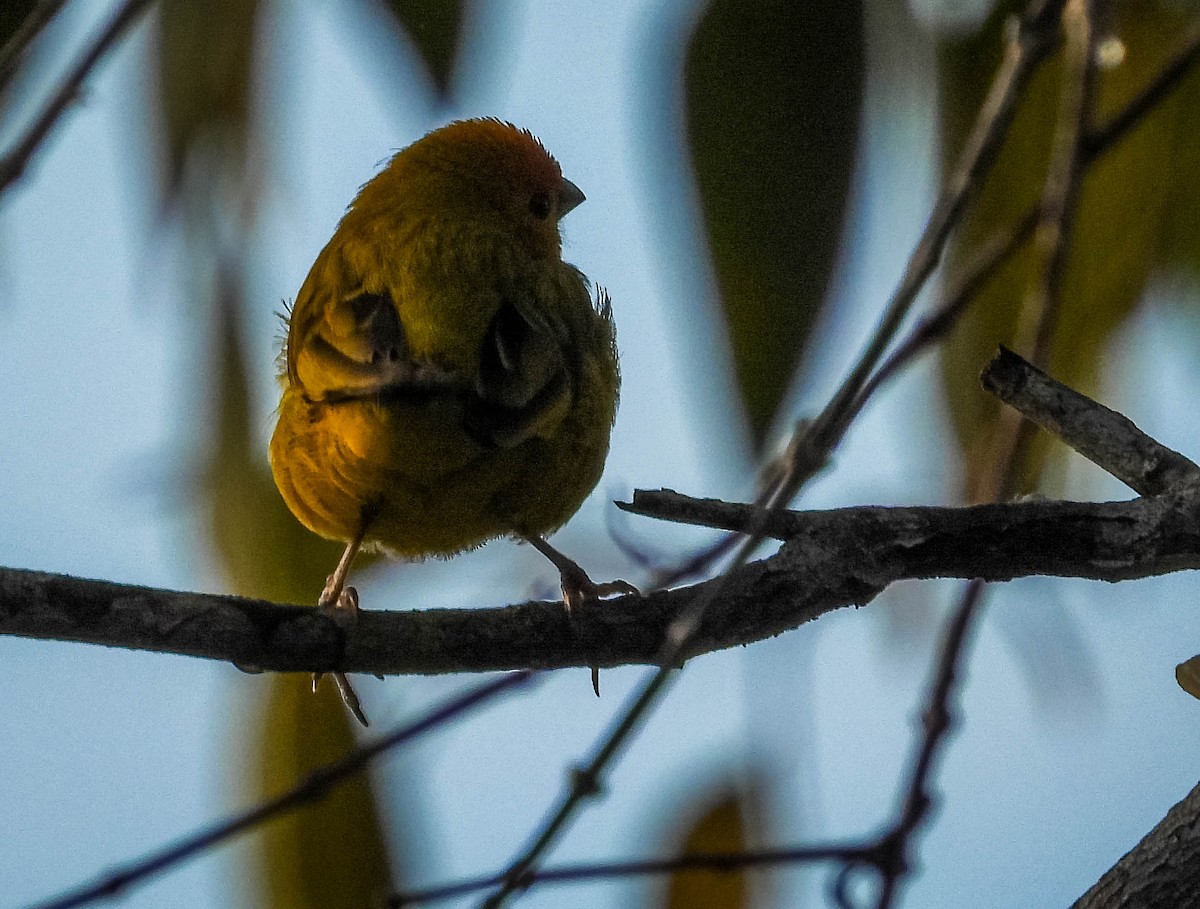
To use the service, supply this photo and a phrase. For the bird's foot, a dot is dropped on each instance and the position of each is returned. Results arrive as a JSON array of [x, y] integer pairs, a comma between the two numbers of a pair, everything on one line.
[[578, 589], [340, 603]]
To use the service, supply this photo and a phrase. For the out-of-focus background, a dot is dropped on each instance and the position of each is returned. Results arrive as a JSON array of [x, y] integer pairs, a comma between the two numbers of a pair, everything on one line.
[[756, 173]]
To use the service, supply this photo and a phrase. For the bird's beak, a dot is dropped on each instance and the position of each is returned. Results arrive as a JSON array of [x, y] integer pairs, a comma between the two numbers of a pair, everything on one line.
[[569, 196]]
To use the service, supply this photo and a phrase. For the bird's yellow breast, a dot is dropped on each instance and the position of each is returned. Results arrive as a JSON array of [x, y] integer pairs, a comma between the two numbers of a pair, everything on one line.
[[426, 485]]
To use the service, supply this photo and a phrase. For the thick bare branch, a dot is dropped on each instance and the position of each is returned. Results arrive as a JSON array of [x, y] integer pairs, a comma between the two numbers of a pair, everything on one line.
[[831, 559], [1104, 437], [1160, 872]]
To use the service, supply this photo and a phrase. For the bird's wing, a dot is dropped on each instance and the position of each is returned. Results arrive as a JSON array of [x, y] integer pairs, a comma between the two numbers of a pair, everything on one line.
[[357, 349], [525, 383]]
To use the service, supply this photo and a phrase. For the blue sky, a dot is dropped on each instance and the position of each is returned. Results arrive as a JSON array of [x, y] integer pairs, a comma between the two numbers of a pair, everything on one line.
[[108, 754]]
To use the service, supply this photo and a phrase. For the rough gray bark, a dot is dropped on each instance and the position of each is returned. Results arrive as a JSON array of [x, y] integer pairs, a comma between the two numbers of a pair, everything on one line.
[[830, 559], [1160, 872]]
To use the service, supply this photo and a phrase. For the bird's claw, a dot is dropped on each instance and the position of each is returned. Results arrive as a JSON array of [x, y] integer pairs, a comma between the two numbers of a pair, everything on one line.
[[341, 606], [579, 590], [339, 602]]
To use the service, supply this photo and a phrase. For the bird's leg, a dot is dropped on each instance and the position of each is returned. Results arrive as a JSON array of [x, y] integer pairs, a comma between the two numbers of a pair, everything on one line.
[[336, 594], [577, 587], [341, 603]]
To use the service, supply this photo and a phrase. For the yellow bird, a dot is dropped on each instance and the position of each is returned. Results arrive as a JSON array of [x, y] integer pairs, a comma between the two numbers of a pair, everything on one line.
[[449, 379]]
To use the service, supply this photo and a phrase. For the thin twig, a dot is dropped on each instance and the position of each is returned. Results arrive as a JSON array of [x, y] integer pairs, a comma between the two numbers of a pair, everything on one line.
[[1056, 218], [1031, 40], [314, 787], [697, 861], [993, 254], [1166, 81], [1039, 314], [893, 861], [584, 784], [13, 164], [1065, 174], [987, 260], [698, 564], [17, 46]]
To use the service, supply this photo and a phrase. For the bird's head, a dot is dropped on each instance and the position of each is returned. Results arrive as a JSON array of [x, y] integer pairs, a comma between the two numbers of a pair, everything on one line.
[[481, 169]]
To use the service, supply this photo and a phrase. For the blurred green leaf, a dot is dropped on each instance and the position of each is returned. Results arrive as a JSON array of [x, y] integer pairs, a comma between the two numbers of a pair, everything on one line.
[[773, 95], [206, 62], [433, 27], [1179, 165], [720, 828], [1137, 211], [331, 852]]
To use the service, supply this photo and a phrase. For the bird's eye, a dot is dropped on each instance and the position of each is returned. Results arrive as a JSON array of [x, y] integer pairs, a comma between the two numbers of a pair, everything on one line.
[[539, 206]]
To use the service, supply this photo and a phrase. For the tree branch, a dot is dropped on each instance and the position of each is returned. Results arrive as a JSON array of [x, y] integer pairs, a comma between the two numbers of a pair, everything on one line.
[[829, 559], [1103, 436], [14, 162], [843, 557], [16, 48], [1160, 872]]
